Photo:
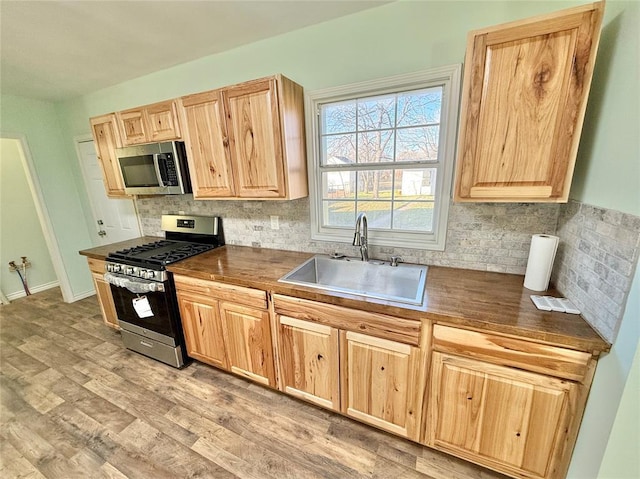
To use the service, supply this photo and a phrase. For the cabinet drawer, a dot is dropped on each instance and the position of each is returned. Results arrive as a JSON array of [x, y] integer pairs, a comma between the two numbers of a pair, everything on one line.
[[374, 324], [228, 292], [507, 351], [96, 265]]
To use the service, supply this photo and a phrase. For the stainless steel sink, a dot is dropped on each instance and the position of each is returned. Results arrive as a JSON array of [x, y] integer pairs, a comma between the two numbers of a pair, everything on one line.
[[404, 283]]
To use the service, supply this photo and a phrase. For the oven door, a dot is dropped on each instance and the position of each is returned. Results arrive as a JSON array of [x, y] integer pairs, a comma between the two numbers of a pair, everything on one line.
[[150, 310]]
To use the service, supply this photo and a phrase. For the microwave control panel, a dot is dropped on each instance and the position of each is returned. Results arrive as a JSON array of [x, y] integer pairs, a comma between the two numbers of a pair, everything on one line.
[[168, 169]]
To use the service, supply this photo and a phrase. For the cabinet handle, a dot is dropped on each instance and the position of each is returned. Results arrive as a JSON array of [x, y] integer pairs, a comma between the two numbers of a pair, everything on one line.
[[144, 343]]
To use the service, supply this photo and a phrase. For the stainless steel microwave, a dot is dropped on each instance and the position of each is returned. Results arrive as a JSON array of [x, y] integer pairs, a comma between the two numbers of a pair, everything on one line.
[[155, 169]]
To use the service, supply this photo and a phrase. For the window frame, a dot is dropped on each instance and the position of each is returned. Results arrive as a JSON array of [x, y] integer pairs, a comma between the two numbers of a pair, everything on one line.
[[448, 78]]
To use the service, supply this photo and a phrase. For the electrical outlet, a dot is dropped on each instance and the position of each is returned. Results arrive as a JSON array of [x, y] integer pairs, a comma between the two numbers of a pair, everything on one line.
[[275, 222]]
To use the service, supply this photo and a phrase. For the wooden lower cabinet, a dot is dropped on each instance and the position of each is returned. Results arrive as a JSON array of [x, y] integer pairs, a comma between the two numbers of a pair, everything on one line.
[[379, 381], [228, 327], [247, 335], [509, 420], [202, 328], [309, 361], [103, 292]]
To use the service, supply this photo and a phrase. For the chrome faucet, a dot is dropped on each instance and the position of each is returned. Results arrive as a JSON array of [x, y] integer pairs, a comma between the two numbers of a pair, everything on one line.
[[360, 238]]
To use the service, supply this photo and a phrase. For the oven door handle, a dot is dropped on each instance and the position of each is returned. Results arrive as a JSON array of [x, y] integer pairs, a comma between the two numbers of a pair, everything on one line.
[[136, 286]]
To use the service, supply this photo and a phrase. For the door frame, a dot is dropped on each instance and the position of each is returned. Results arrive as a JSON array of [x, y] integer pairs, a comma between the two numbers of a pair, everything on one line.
[[76, 142], [43, 215]]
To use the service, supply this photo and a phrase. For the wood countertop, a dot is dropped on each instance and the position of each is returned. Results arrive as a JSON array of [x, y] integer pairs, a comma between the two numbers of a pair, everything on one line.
[[481, 300]]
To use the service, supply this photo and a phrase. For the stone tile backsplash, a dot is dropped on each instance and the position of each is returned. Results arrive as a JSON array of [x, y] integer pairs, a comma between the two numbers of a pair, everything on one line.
[[595, 263], [596, 257], [480, 236]]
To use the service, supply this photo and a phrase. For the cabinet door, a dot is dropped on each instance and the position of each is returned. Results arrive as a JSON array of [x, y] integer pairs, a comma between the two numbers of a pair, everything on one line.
[[202, 328], [507, 419], [309, 361], [525, 93], [133, 126], [379, 379], [103, 292], [247, 335], [255, 140], [207, 143], [162, 121], [107, 139]]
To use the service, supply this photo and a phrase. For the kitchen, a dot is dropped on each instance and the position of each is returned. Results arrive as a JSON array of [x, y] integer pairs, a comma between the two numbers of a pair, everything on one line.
[[248, 223]]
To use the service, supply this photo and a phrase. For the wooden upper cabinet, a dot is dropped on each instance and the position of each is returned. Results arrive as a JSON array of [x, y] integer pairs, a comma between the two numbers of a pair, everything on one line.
[[255, 139], [150, 123], [523, 102], [105, 135], [247, 140], [205, 134]]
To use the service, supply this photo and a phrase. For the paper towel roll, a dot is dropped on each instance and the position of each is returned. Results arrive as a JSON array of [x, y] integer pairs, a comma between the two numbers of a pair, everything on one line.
[[540, 262]]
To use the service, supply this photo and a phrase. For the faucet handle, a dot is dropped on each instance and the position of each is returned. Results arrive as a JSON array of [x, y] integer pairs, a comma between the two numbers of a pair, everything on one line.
[[395, 260]]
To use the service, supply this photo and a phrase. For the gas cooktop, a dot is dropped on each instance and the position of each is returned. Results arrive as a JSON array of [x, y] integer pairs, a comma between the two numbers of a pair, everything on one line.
[[159, 253]]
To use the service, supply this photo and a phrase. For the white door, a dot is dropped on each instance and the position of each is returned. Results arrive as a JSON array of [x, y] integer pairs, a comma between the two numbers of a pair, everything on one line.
[[115, 219]]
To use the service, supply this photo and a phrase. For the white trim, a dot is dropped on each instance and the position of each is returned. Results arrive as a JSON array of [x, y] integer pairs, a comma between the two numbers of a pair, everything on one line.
[[93, 227], [76, 143], [449, 78], [33, 290], [84, 295], [43, 215]]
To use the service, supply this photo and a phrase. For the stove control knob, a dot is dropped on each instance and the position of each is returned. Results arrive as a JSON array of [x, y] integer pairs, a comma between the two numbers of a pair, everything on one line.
[[141, 273], [117, 268], [129, 270], [151, 274]]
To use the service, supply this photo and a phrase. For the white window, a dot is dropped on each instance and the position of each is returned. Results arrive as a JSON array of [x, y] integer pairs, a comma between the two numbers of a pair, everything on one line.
[[385, 148]]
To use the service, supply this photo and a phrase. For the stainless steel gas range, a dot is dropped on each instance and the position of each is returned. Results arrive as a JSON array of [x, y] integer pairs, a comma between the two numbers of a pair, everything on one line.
[[143, 289]]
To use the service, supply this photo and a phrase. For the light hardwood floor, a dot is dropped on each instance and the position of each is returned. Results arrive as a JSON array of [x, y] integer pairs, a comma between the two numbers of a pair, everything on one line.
[[75, 403]]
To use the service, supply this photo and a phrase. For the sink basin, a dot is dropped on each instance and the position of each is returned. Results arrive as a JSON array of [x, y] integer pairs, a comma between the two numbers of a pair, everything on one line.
[[404, 283]]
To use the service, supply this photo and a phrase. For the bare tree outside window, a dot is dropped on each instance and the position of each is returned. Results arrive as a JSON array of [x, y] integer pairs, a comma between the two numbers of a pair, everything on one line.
[[375, 157]]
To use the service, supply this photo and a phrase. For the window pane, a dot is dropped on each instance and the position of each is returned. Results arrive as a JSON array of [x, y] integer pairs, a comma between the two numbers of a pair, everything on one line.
[[339, 213], [378, 213], [339, 184], [420, 107], [377, 112], [412, 216], [338, 117], [375, 185], [338, 149], [415, 184], [375, 146], [417, 144]]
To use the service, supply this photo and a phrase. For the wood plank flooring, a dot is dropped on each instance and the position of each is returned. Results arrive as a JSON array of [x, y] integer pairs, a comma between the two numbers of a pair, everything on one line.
[[75, 404]]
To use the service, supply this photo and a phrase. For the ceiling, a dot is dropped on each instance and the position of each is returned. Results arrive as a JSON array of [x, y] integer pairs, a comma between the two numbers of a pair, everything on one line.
[[55, 50]]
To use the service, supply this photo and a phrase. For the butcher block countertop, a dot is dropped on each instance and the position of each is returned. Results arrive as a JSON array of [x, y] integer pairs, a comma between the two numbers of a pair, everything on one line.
[[481, 300]]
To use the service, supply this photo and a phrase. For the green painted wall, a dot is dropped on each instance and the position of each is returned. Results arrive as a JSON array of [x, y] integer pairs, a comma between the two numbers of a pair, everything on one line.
[[608, 168], [621, 460], [58, 173], [20, 231], [409, 36]]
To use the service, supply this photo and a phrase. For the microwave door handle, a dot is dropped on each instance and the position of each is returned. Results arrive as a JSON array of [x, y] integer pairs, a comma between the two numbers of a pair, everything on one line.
[[156, 165]]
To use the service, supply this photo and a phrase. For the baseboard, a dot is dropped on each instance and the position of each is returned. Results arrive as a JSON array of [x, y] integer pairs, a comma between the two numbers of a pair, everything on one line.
[[79, 296], [33, 289]]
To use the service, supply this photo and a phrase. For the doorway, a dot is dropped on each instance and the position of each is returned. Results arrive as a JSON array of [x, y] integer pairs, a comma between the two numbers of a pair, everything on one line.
[[26, 228], [114, 219]]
